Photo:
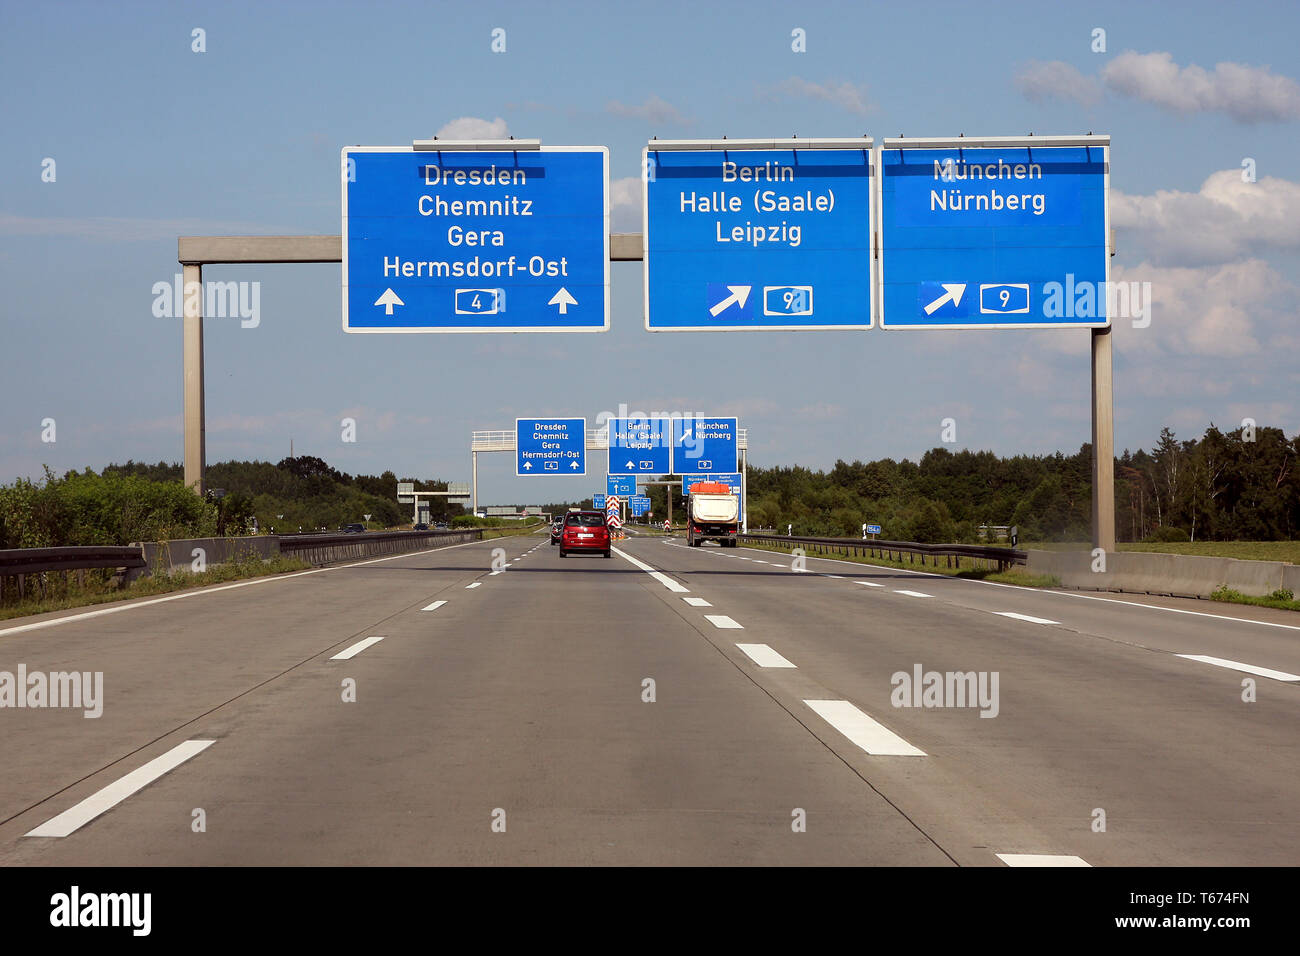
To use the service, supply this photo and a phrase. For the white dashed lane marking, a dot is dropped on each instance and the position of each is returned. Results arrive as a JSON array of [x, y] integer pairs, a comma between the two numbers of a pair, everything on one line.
[[697, 602], [474, 585], [869, 584], [1041, 859], [722, 621], [1244, 668], [356, 649], [72, 819], [434, 606], [764, 656], [1025, 617], [914, 593], [874, 738]]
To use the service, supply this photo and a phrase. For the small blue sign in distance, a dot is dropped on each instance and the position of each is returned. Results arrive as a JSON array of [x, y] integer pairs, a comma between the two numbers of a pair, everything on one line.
[[619, 485], [496, 240], [758, 236], [550, 446], [873, 529], [598, 502], [705, 445], [640, 446], [996, 234]]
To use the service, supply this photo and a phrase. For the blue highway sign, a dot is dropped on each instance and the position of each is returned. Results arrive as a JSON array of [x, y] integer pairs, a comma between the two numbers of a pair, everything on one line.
[[598, 502], [494, 241], [620, 486], [705, 445], [999, 234], [550, 446], [758, 238], [640, 446], [873, 529]]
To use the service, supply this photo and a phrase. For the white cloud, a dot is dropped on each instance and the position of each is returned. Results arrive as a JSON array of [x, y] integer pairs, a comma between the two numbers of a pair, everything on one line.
[[1217, 310], [653, 110], [1226, 219], [1041, 81], [625, 205], [841, 93], [1248, 94], [472, 127]]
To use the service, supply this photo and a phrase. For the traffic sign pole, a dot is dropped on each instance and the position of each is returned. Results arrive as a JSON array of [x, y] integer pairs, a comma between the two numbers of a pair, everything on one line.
[[1103, 444]]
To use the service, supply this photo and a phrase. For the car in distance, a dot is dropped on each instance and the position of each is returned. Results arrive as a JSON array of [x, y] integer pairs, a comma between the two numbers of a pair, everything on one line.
[[584, 531], [353, 528], [421, 527], [557, 530]]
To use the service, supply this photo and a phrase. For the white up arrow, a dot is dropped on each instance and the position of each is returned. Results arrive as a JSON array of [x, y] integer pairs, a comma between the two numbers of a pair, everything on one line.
[[739, 296], [573, 464], [528, 466], [952, 292], [388, 300], [563, 299]]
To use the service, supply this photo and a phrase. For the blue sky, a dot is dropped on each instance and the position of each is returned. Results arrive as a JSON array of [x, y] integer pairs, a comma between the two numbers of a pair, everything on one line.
[[152, 140]]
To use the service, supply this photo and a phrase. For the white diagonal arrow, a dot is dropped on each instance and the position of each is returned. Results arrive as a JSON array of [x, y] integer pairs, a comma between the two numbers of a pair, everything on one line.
[[952, 291], [739, 296], [563, 299], [388, 300]]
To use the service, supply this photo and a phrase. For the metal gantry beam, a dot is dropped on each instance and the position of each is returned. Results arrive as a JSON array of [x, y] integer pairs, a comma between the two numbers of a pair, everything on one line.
[[194, 252]]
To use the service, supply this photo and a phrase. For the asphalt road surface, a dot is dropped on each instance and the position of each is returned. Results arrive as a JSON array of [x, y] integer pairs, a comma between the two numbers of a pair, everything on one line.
[[667, 705]]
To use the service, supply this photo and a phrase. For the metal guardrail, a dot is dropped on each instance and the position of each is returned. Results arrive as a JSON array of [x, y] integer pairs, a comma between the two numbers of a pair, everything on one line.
[[17, 564], [327, 548], [37, 560], [893, 550]]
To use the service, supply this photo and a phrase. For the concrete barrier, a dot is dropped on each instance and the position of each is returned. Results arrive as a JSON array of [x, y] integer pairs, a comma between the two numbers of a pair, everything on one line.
[[1180, 575], [180, 555]]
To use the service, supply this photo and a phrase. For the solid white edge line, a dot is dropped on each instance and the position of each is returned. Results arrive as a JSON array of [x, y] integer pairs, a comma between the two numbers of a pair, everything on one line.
[[1041, 859], [1068, 594], [1025, 617], [434, 606], [1238, 666], [356, 648], [200, 592], [77, 816], [862, 730], [764, 656]]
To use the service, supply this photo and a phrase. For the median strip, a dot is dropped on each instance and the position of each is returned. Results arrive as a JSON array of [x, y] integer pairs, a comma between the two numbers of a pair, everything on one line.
[[74, 818]]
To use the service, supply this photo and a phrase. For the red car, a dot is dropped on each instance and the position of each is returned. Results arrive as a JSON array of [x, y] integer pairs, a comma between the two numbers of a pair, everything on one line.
[[584, 531]]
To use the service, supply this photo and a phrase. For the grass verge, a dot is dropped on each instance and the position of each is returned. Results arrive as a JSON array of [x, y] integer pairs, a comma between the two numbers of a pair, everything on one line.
[[1282, 598], [65, 597]]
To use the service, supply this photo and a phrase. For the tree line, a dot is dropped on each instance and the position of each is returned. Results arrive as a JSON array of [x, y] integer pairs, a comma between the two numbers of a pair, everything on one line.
[[1236, 485]]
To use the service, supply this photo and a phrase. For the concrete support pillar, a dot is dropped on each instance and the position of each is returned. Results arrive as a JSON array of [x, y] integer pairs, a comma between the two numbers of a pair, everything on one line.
[[474, 456], [744, 490], [1103, 443], [195, 439]]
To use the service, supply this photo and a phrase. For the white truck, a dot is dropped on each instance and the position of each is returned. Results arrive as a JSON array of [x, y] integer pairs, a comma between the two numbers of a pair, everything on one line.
[[712, 514]]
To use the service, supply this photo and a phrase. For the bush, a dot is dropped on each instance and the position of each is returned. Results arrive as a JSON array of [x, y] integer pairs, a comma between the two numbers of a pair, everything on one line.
[[1282, 594], [1166, 534]]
